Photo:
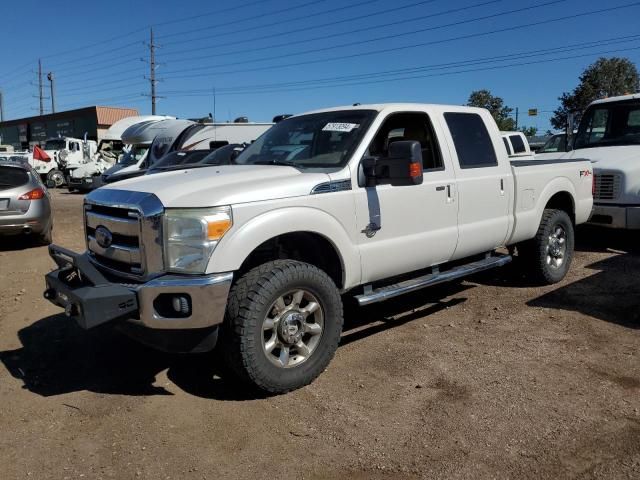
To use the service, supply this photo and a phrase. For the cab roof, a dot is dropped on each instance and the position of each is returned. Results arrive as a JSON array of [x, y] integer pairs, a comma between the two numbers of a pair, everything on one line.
[[620, 98], [399, 107]]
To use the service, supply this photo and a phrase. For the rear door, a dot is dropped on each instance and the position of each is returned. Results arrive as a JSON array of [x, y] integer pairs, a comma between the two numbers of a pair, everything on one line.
[[484, 183]]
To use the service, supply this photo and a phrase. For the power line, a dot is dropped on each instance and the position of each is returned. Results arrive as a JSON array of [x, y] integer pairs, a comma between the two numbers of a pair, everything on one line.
[[207, 14], [364, 29], [306, 16], [404, 47], [439, 66], [385, 37], [413, 77], [246, 19]]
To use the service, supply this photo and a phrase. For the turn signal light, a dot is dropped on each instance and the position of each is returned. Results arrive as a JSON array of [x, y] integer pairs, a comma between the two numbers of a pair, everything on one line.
[[415, 170], [35, 194], [217, 228]]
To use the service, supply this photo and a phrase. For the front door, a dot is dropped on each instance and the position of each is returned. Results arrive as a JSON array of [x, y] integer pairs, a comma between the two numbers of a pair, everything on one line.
[[407, 228]]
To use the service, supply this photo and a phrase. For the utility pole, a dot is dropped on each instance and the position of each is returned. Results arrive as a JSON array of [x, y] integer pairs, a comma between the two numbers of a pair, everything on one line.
[[1, 107], [40, 87], [516, 118], [51, 79], [152, 73]]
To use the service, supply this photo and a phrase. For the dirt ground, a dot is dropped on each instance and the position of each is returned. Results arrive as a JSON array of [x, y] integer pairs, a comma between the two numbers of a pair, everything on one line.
[[486, 378]]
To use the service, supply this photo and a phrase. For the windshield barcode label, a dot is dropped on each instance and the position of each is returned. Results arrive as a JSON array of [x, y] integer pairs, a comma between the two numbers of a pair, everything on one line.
[[340, 127]]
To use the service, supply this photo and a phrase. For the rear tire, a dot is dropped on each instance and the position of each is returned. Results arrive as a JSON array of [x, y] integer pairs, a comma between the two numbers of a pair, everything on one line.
[[46, 237], [283, 325], [548, 255]]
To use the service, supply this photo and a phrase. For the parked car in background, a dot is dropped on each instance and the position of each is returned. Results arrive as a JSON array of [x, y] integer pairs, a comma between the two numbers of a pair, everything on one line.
[[371, 201], [609, 136], [516, 144], [25, 207], [188, 136], [197, 158], [140, 138], [556, 145]]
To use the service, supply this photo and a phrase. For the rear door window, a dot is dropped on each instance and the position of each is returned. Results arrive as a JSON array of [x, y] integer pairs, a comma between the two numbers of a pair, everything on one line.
[[11, 177], [506, 145], [471, 140], [518, 144]]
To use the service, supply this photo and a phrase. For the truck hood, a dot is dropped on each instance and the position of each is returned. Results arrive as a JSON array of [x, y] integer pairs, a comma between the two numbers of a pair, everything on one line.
[[619, 157], [223, 185]]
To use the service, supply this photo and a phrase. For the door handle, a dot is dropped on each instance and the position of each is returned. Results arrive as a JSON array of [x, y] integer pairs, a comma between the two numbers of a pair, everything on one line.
[[440, 188], [502, 186]]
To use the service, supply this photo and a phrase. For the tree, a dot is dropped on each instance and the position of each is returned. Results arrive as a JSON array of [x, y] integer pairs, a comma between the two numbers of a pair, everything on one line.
[[495, 105], [529, 131], [607, 77]]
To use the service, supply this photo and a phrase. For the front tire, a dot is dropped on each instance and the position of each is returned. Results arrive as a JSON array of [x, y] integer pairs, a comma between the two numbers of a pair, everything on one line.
[[55, 178], [283, 325], [550, 252]]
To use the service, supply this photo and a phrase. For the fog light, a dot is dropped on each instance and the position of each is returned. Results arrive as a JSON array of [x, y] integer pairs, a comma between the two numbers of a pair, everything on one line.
[[181, 305]]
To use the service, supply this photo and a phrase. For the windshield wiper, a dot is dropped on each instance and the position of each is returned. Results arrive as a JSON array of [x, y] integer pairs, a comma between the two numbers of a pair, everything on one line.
[[283, 163]]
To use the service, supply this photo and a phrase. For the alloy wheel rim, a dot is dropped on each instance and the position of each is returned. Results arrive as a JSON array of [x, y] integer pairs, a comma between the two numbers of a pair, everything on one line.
[[58, 179], [292, 328], [556, 247]]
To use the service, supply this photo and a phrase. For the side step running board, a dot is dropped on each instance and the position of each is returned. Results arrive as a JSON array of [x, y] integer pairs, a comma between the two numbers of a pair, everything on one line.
[[390, 291]]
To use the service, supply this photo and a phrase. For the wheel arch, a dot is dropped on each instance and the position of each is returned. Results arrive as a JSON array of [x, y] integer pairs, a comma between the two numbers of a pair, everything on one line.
[[296, 233]]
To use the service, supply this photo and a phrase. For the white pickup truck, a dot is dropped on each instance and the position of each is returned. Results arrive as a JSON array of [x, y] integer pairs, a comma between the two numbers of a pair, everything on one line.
[[371, 201], [609, 136]]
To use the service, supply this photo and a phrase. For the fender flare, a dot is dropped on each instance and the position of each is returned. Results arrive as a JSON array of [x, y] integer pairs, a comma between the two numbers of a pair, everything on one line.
[[236, 246]]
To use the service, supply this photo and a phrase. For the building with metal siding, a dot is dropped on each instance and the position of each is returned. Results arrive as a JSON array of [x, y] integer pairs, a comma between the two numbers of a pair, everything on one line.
[[94, 121]]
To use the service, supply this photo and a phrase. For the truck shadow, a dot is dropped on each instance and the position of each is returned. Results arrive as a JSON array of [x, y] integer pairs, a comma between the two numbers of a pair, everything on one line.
[[15, 243], [611, 294], [595, 239], [57, 357]]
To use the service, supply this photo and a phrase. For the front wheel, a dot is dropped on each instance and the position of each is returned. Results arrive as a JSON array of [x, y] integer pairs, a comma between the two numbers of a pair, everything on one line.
[[550, 252], [55, 178], [283, 325]]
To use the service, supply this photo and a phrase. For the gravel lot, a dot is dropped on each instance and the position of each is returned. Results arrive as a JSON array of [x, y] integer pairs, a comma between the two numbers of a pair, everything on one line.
[[486, 378]]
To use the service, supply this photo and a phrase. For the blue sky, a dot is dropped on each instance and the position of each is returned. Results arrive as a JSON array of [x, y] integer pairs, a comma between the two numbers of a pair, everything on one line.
[[267, 57]]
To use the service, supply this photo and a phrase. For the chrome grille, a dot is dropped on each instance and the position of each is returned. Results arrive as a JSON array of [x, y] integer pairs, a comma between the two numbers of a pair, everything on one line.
[[607, 186], [134, 224]]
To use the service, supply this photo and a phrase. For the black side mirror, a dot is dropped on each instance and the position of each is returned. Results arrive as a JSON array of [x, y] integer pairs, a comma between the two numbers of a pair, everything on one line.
[[403, 166]]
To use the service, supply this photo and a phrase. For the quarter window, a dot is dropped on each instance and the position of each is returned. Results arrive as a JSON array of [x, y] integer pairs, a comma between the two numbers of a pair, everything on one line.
[[471, 140]]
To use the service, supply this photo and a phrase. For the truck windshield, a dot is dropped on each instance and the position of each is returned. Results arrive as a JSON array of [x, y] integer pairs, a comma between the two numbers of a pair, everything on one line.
[[610, 124], [55, 144], [317, 140], [133, 155]]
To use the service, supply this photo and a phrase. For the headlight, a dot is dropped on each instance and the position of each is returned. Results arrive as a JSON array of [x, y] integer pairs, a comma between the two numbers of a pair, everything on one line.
[[191, 236]]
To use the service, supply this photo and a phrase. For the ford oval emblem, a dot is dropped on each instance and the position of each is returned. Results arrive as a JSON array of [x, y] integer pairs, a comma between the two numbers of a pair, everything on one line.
[[104, 237]]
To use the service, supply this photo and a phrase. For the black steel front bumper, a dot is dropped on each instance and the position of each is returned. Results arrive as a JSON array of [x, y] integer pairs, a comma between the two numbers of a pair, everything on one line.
[[84, 293], [91, 299]]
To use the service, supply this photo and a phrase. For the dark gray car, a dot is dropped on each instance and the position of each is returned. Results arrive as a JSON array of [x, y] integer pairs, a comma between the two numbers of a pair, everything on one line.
[[25, 206]]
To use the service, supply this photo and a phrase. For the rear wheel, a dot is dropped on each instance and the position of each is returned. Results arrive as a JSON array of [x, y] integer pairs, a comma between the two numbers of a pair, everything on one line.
[[548, 255], [283, 325], [46, 237]]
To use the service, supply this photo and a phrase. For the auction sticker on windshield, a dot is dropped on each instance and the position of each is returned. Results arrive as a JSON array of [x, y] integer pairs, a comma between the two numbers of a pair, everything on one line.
[[340, 127]]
